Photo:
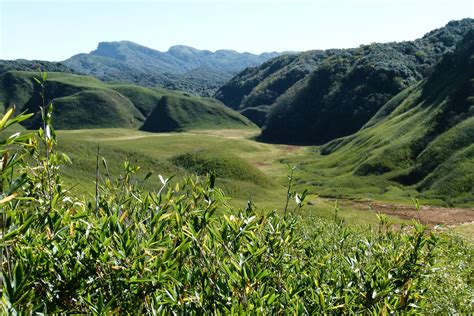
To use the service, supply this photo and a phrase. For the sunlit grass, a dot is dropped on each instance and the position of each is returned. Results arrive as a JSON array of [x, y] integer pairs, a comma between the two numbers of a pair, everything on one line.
[[155, 151]]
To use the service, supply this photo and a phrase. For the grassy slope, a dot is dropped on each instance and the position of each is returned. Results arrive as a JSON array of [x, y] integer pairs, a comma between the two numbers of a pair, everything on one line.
[[144, 99], [180, 113], [86, 102], [80, 101], [423, 139]]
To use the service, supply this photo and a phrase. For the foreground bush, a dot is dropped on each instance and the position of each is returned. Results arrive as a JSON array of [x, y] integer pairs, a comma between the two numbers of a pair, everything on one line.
[[183, 250], [169, 252]]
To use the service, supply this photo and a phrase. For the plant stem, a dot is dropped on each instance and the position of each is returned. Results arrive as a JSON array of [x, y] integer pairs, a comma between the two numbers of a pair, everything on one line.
[[288, 192], [97, 180]]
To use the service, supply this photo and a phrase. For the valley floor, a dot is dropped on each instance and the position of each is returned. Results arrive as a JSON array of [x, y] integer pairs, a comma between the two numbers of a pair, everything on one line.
[[157, 152]]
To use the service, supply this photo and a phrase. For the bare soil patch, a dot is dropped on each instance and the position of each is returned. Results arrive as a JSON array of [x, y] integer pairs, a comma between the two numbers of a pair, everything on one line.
[[429, 215], [291, 149]]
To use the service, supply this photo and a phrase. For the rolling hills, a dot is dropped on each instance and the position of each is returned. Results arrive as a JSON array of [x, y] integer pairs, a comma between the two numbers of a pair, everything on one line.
[[86, 102], [316, 96], [355, 197], [403, 110], [180, 68], [422, 139]]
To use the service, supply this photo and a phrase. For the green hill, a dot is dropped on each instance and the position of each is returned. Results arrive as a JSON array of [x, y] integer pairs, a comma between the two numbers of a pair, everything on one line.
[[180, 113], [423, 138], [224, 165], [86, 102], [316, 96], [80, 101]]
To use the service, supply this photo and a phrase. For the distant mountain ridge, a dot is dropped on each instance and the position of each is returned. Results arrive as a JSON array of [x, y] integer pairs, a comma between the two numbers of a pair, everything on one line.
[[180, 68]]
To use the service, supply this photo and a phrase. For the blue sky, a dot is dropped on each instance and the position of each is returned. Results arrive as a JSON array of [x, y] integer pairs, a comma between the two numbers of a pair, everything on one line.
[[56, 30]]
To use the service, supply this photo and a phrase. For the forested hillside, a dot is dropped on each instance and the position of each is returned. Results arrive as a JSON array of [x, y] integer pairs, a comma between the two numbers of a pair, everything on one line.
[[33, 65], [423, 137], [317, 96]]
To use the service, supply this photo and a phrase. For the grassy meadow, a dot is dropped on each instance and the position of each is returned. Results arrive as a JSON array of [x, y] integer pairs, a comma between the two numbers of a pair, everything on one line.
[[159, 153], [258, 171]]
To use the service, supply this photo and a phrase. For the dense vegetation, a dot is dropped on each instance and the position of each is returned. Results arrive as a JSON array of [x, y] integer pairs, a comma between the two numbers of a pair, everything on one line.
[[317, 96], [183, 250], [86, 102], [180, 68], [257, 86], [422, 138], [32, 65]]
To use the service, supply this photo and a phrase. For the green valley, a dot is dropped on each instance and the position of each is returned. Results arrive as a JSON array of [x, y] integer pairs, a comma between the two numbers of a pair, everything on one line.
[[245, 169], [337, 181]]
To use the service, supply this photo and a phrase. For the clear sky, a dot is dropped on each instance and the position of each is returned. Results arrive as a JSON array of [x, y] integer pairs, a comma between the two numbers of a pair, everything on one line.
[[56, 30]]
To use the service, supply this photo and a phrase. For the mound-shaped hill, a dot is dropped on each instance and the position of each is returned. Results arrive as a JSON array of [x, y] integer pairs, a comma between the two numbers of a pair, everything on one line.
[[316, 96], [225, 166], [423, 137], [181, 112], [79, 101], [86, 102], [181, 67]]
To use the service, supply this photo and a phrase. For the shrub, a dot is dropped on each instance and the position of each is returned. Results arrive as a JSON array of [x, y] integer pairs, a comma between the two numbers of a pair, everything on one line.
[[129, 251]]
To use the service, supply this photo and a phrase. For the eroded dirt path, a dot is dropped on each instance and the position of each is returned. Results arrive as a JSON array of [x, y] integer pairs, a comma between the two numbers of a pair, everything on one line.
[[429, 215]]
